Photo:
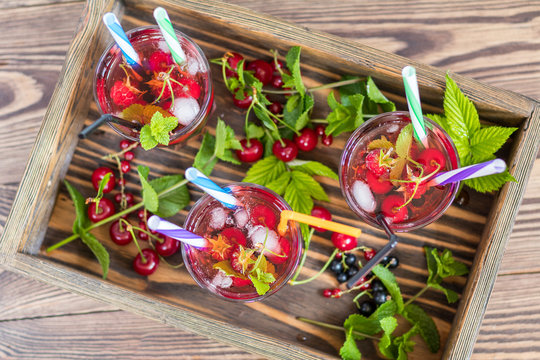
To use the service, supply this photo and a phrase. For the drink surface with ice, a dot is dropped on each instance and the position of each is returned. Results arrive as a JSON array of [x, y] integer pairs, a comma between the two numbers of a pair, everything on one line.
[[238, 239], [135, 93], [384, 169]]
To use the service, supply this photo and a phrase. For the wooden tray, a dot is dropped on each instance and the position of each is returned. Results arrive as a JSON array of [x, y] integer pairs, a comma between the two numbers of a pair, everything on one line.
[[42, 213]]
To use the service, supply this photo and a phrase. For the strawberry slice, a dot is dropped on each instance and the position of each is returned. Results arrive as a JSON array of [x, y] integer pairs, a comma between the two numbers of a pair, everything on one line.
[[234, 236], [263, 215], [390, 208], [221, 248], [285, 251], [238, 282], [378, 184], [431, 158]]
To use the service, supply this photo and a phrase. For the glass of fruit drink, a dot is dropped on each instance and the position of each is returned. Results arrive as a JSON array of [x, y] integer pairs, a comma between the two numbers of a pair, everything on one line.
[[135, 94], [247, 259], [384, 170]]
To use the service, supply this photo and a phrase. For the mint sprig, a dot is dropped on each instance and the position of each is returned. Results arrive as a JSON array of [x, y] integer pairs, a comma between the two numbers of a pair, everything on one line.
[[157, 131]]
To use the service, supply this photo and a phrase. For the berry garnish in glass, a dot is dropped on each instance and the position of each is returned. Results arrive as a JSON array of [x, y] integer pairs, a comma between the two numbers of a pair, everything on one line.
[[161, 85], [247, 259], [384, 170]]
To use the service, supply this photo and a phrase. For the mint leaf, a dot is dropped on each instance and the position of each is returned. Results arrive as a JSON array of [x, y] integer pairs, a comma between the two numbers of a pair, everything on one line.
[[294, 80], [375, 95], [280, 184], [387, 309], [146, 138], [389, 281], [344, 118], [303, 119], [313, 168], [362, 324], [173, 201], [405, 344], [98, 250], [261, 287], [310, 186], [425, 324], [229, 156], [431, 265], [160, 127], [404, 141], [451, 295], [349, 350], [265, 170], [489, 183], [150, 198], [254, 132], [81, 213], [388, 325], [447, 265], [205, 160], [486, 141]]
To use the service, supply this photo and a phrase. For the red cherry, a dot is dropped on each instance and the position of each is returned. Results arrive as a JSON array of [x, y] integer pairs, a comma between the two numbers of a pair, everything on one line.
[[262, 70], [244, 103], [322, 213], [124, 144], [327, 293], [343, 242], [430, 158], [369, 254], [379, 185], [104, 210], [234, 235], [275, 108], [252, 153], [147, 267], [277, 81], [168, 246], [141, 214], [390, 207], [280, 65], [119, 234], [263, 215], [125, 166], [327, 140], [284, 253], [336, 293], [99, 174], [238, 282], [285, 153], [129, 155], [319, 129], [142, 235], [307, 139], [233, 63]]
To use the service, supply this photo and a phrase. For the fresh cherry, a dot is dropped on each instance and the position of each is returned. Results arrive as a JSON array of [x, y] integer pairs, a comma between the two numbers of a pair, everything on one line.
[[391, 207], [343, 242], [168, 246], [243, 103], [250, 153], [234, 235], [262, 70], [121, 182], [327, 140], [280, 65], [119, 234], [275, 108], [378, 184], [104, 210], [321, 213], [431, 158], [287, 152], [147, 267], [142, 235], [233, 63], [307, 140], [277, 81], [141, 214], [129, 155], [263, 215], [285, 250], [319, 129], [99, 174]]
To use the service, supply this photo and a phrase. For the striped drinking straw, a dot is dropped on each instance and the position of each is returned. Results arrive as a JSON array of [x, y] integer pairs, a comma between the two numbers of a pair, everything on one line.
[[413, 101], [468, 172], [211, 188], [164, 227], [165, 25], [121, 39]]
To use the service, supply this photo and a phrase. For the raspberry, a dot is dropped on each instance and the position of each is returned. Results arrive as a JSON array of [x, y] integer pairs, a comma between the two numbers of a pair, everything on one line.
[[160, 61], [242, 260], [187, 88], [122, 94], [373, 163]]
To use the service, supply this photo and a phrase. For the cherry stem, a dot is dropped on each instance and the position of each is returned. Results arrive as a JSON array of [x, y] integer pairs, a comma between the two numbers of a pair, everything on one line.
[[319, 273], [335, 327], [316, 88], [143, 258], [307, 241], [324, 121]]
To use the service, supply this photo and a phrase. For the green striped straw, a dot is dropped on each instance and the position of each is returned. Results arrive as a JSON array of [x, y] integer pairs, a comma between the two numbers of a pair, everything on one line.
[[413, 101], [165, 25]]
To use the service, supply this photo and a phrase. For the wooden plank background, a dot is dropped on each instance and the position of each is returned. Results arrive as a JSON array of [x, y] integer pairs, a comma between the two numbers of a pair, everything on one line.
[[492, 41]]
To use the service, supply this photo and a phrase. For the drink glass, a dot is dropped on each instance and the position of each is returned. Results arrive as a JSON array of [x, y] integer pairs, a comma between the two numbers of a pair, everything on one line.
[[369, 195], [192, 91], [254, 222]]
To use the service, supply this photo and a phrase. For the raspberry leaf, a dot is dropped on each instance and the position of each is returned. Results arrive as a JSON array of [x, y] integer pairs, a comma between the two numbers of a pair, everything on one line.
[[173, 201], [425, 324], [204, 160], [298, 198], [98, 250], [313, 168], [265, 170], [312, 187], [280, 184], [390, 283], [150, 198], [349, 350], [460, 110], [486, 141]]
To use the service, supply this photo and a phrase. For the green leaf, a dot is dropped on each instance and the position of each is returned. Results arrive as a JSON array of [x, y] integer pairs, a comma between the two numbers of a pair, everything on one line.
[[293, 64], [404, 141], [262, 115], [451, 295], [303, 119], [426, 326], [375, 95], [225, 140], [351, 89], [332, 102], [173, 201], [146, 138], [349, 350], [459, 111], [386, 347], [489, 183], [362, 324], [313, 168], [254, 132], [205, 160], [345, 118], [280, 184], [405, 344], [447, 265], [431, 266], [261, 287], [229, 156], [389, 281], [102, 184], [313, 188], [81, 212], [150, 198], [387, 309], [98, 250], [486, 141], [462, 144], [265, 170], [160, 127], [226, 268], [298, 198]]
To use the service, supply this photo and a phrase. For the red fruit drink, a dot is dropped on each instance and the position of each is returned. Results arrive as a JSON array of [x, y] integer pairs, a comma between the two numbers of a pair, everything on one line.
[[384, 170], [229, 265], [137, 95]]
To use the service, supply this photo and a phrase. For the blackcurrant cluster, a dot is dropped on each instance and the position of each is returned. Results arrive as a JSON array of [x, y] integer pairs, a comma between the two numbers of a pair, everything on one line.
[[344, 268], [378, 290]]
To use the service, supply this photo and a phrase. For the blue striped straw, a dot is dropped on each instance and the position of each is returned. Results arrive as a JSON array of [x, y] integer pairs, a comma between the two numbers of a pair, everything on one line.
[[211, 188], [121, 39], [155, 223], [491, 167]]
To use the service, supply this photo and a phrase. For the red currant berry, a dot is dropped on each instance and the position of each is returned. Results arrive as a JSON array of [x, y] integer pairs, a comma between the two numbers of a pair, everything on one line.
[[129, 155], [121, 182], [327, 293], [99, 174], [125, 166], [233, 63], [369, 254], [147, 267], [102, 211], [321, 213], [141, 214], [285, 152], [327, 140], [124, 144], [119, 234], [118, 198], [262, 70], [250, 153], [392, 207], [319, 129], [336, 293], [431, 158], [275, 108], [277, 81], [343, 242], [168, 246], [129, 198], [243, 103], [307, 140], [339, 255]]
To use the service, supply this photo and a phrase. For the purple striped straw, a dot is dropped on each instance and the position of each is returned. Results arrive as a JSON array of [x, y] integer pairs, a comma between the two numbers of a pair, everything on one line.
[[468, 172], [155, 223]]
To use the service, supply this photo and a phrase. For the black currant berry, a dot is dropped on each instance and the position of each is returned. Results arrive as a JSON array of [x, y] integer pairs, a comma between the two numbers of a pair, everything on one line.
[[391, 261], [351, 271], [377, 285], [379, 297], [367, 308], [350, 259], [336, 266], [341, 278]]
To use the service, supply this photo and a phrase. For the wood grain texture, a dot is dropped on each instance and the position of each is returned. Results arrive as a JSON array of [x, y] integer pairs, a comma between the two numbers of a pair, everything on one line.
[[519, 74]]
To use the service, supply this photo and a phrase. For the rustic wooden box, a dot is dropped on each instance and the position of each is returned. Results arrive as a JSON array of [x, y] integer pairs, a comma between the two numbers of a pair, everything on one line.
[[42, 213]]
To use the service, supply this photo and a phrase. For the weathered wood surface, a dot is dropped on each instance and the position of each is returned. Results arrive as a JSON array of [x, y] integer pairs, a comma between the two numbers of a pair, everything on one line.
[[412, 27]]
